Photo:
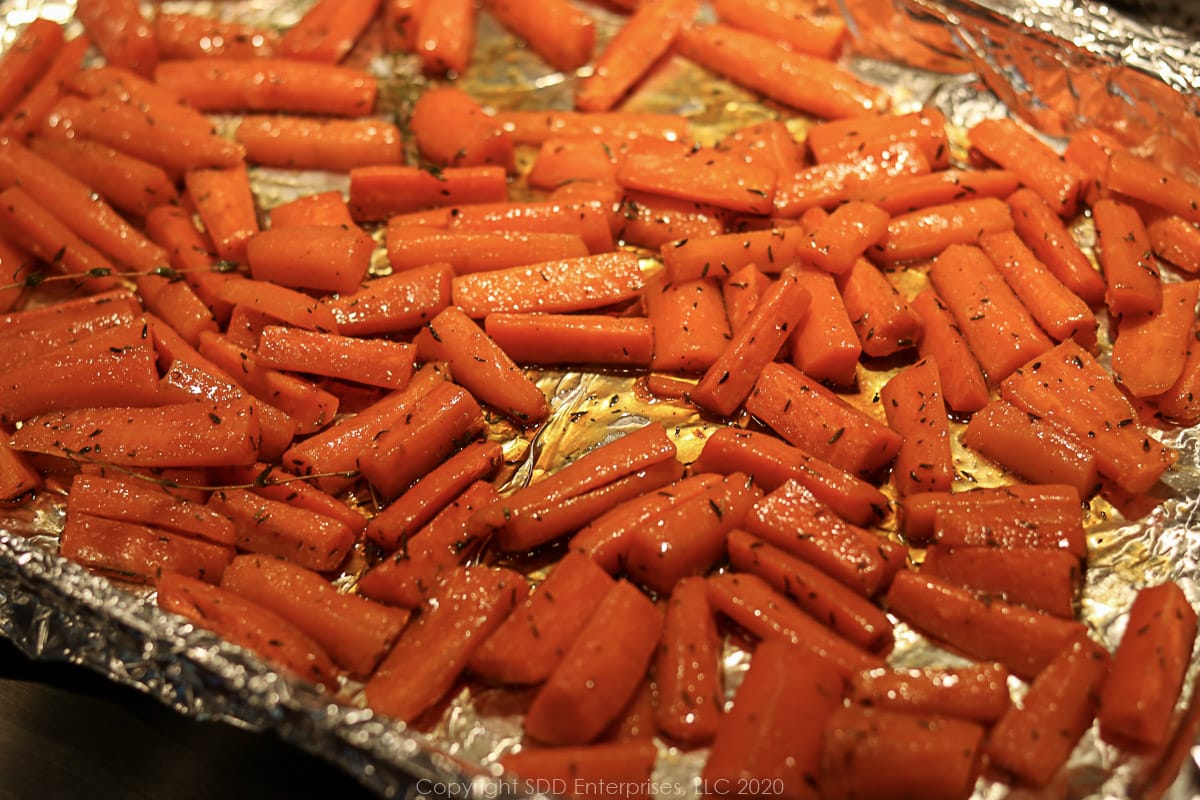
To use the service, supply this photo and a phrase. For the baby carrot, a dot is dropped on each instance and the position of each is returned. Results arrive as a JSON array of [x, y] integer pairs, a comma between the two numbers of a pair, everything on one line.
[[1174, 239], [689, 698], [963, 383], [829, 184], [718, 256], [322, 208], [742, 292], [1030, 447], [929, 231], [1090, 149], [789, 21], [379, 192], [547, 339], [705, 175], [278, 302], [183, 36], [470, 251], [328, 30], [914, 407], [400, 302], [1150, 351], [573, 284], [1039, 168], [279, 529], [840, 240], [26, 60], [190, 254], [586, 219], [1041, 579], [129, 184], [976, 692], [557, 31], [882, 318], [23, 219], [907, 193], [225, 203], [690, 328], [451, 129], [334, 145], [120, 33], [561, 161], [1140, 179], [33, 107], [846, 139], [138, 501], [535, 127], [327, 258], [574, 771], [122, 87], [139, 553], [1123, 249], [1181, 403], [445, 36], [275, 483], [1044, 233], [377, 362]]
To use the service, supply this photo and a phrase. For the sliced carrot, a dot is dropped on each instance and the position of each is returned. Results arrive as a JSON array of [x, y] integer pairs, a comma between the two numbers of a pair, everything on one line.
[[129, 184], [1151, 348], [977, 692], [844, 139], [164, 107], [1043, 232], [534, 127], [561, 34], [840, 240], [929, 231], [564, 160], [687, 671], [908, 193], [1181, 403], [322, 208], [225, 203], [698, 174], [132, 500], [27, 332], [380, 192], [689, 325], [881, 317], [1176, 240], [328, 30], [195, 36], [401, 19], [121, 33], [834, 182], [327, 258], [401, 302], [1143, 180], [1089, 150], [1006, 143], [583, 771], [915, 409], [16, 266], [769, 143], [445, 36], [26, 60], [1045, 580], [742, 292], [277, 484], [24, 219], [138, 553], [790, 21], [1123, 249], [963, 383], [278, 302], [719, 256], [573, 284], [275, 528], [548, 339], [377, 362], [17, 476], [191, 255], [1030, 447], [33, 107], [451, 129], [334, 145], [174, 302]]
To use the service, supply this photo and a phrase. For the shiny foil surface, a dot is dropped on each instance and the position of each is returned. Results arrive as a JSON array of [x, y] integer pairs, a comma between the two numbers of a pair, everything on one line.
[[971, 59]]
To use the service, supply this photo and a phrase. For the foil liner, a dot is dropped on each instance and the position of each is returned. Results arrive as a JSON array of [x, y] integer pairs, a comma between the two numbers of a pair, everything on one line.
[[971, 59]]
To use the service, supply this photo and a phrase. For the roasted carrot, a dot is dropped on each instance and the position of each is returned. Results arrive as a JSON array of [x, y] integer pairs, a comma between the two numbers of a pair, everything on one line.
[[1123, 249], [24, 219], [1089, 150], [1044, 233], [834, 182], [689, 700], [716, 257], [1039, 168], [377, 362], [182, 36], [129, 184], [328, 30], [1181, 403], [277, 484], [942, 342], [26, 60], [843, 139], [562, 161], [451, 129], [278, 302], [120, 33], [17, 475], [377, 193], [1045, 580], [132, 500], [787, 21], [1149, 353], [561, 34], [1174, 239], [224, 201], [1140, 179], [689, 324], [929, 231], [573, 284], [162, 106], [907, 193], [31, 330], [335, 145], [138, 553], [17, 266], [322, 208], [33, 107], [915, 409], [883, 320], [769, 143], [548, 339], [401, 19], [191, 254], [706, 175], [327, 258], [841, 239], [1030, 447], [275, 528], [174, 302], [401, 302], [534, 127], [977, 692], [742, 292]]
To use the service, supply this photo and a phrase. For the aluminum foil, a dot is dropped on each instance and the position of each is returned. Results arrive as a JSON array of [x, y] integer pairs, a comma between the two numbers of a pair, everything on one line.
[[971, 59]]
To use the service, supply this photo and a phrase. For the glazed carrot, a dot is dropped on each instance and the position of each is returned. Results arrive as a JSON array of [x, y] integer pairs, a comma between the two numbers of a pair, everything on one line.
[[33, 107], [530, 643], [327, 258], [877, 753], [1089, 150], [548, 339], [963, 384], [225, 203], [274, 528], [322, 208], [1123, 249], [174, 302], [334, 145], [247, 624], [190, 254], [706, 175], [1045, 580], [1181, 403], [561, 161], [29, 332], [1033, 741], [1036, 166], [841, 239], [429, 495], [23, 219], [400, 21], [1174, 239], [451, 129], [805, 83], [834, 182], [599, 672], [730, 380], [328, 30], [534, 127], [636, 722], [1030, 447], [977, 692], [846, 139], [881, 317], [792, 519], [583, 772], [773, 732], [663, 387], [687, 672], [1045, 516], [742, 292], [27, 59], [17, 476], [469, 604], [929, 231], [719, 256], [847, 613], [445, 36], [646, 35], [394, 303], [769, 143], [751, 603], [121, 86], [1043, 232], [356, 632], [1070, 390], [139, 553], [586, 219], [561, 34], [223, 84], [811, 417], [1138, 698], [275, 483], [1000, 330], [1150, 351], [908, 193], [786, 21], [16, 266], [915, 409], [129, 184], [377, 362], [377, 193], [1024, 641], [195, 36], [410, 247], [1143, 180], [573, 284], [132, 500], [689, 324], [287, 305], [120, 33]]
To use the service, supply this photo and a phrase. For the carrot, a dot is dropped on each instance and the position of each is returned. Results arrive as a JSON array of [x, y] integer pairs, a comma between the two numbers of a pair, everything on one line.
[[17, 476], [1070, 390], [1151, 348], [120, 33], [813, 418], [547, 339], [1174, 239], [275, 528], [716, 257], [182, 36], [35, 104], [222, 84], [730, 381], [841, 239], [847, 613], [1036, 578], [24, 219], [1036, 166], [175, 303], [534, 127], [277, 302], [769, 143], [479, 364], [16, 267], [401, 302], [599, 672], [139, 553], [963, 384], [1140, 179], [451, 129], [469, 604], [845, 139], [908, 193], [561, 34], [445, 36], [834, 182], [788, 21], [1123, 249], [190, 254], [646, 35], [353, 630], [401, 19], [530, 643], [805, 83], [976, 692], [881, 317], [377, 362], [573, 284], [1044, 233], [328, 30], [433, 492], [928, 231], [561, 161], [334, 145], [1033, 742], [586, 220], [27, 59], [377, 193], [1138, 699], [1030, 447], [1024, 641], [869, 753], [328, 258], [583, 772], [742, 292], [225, 203], [1046, 516], [689, 325], [1181, 403], [636, 722], [131, 500], [1000, 330], [706, 175], [247, 624], [322, 208], [914, 407], [130, 184], [792, 519], [689, 698], [275, 483]]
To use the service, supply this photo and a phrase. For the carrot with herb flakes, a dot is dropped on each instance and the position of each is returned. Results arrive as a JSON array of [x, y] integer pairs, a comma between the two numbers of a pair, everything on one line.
[[914, 407], [1143, 180], [400, 302], [1036, 166], [225, 203], [587, 219], [549, 339], [963, 383], [132, 500], [787, 21], [561, 34], [120, 33], [279, 302], [1130, 269], [451, 129], [322, 208], [928, 231], [36, 104], [689, 701], [1044, 233], [907, 193], [27, 59], [573, 284], [182, 36], [882, 318], [377, 362], [976, 692], [24, 219], [1181, 403], [120, 86], [273, 528], [191, 255], [845, 235], [333, 145], [561, 161], [534, 127], [445, 36], [139, 553], [17, 475], [1030, 447], [325, 258], [719, 256], [843, 139], [689, 325], [1150, 351], [1175, 240], [379, 192], [834, 182], [328, 30], [276, 483], [1089, 150], [742, 292], [410, 247], [127, 183], [1046, 580], [706, 175]]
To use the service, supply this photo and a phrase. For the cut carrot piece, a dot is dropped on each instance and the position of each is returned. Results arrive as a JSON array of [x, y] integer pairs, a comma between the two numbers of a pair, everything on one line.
[[132, 500], [401, 302], [191, 255], [1030, 447], [1042, 579], [401, 19], [279, 529], [790, 21], [561, 161], [719, 256], [978, 692], [23, 219], [377, 362], [881, 317], [195, 36], [930, 230], [742, 292], [689, 325], [548, 339], [334, 145], [587, 220], [914, 407], [688, 674], [123, 87], [17, 476], [174, 302], [328, 30], [246, 624], [841, 239], [535, 127], [469, 604], [452, 130], [1123, 249], [963, 383], [120, 33], [1043, 232], [705, 175], [908, 193], [1151, 348], [327, 258], [845, 139], [1089, 150], [137, 553], [377, 193], [275, 483], [322, 208], [1143, 180], [768, 143], [561, 34], [813, 418], [32, 109], [1174, 239], [1181, 403], [226, 207], [280, 303], [129, 184], [573, 284], [582, 772], [600, 671], [26, 60], [445, 36], [1006, 143], [829, 184]]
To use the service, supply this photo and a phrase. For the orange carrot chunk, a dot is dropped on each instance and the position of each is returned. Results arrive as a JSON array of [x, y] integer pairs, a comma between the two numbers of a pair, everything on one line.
[[129, 184], [328, 30], [1143, 180], [1044, 233], [195, 36], [689, 324], [1006, 143], [334, 145], [534, 127], [17, 476], [327, 258], [914, 407], [841, 239], [719, 256], [883, 320], [379, 192], [377, 362], [1151, 348], [844, 139], [573, 284], [138, 553], [322, 208], [451, 129], [548, 339], [401, 302], [1176, 240], [223, 199], [789, 21], [1130, 269], [907, 193], [705, 175], [1181, 403], [33, 107], [977, 692], [133, 500], [825, 345], [24, 219], [963, 383], [687, 672], [280, 303], [279, 529], [829, 184], [557, 31], [410, 247], [26, 60], [1031, 447], [1045, 580], [742, 292], [929, 231]]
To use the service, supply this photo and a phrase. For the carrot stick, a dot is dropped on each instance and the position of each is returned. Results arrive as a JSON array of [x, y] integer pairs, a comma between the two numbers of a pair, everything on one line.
[[275, 528], [377, 362], [328, 30], [1123, 249], [1176, 240], [23, 219], [120, 33], [535, 127], [805, 83], [182, 36], [646, 35], [690, 698], [977, 692], [561, 34], [963, 384], [138, 553], [1043, 232], [191, 255], [401, 302], [834, 182], [1151, 349], [1045, 580], [583, 772], [322, 208], [28, 332], [811, 417], [377, 193], [130, 184], [1024, 641], [881, 317], [786, 21], [689, 325], [280, 303], [719, 256], [548, 339], [225, 203], [1181, 403], [705, 175], [584, 219], [768, 143], [573, 284], [222, 84], [742, 292], [1140, 179], [131, 500], [356, 632], [246, 624], [561, 161], [445, 36], [908, 193], [33, 107], [929, 231], [599, 672], [1089, 149], [17, 476], [914, 407], [846, 139], [327, 258], [451, 129], [1006, 143], [334, 145], [841, 239], [469, 604], [275, 483], [174, 302], [400, 22], [27, 59]]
